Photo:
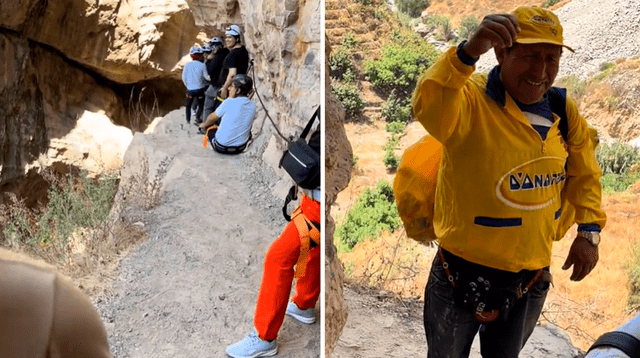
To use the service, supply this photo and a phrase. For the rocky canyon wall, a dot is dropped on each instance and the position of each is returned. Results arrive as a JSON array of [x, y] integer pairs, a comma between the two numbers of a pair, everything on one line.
[[77, 75], [338, 165]]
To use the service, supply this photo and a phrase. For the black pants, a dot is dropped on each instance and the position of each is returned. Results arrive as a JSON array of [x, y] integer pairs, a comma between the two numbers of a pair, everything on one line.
[[223, 149], [210, 101], [197, 95]]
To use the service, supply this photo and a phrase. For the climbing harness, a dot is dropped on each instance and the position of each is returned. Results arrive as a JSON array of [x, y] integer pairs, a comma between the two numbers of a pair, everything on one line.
[[474, 293], [309, 235]]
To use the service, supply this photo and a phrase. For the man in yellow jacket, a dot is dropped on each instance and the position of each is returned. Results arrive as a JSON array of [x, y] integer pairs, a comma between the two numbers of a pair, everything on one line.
[[505, 165]]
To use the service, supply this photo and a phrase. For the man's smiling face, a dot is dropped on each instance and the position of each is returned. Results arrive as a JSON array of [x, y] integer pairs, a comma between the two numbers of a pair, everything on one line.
[[528, 70]]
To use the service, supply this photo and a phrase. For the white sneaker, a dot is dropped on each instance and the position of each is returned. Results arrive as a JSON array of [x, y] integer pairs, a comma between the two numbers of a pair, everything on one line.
[[252, 346], [307, 316]]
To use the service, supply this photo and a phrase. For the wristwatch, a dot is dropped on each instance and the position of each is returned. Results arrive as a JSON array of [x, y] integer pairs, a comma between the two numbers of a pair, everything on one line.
[[592, 236]]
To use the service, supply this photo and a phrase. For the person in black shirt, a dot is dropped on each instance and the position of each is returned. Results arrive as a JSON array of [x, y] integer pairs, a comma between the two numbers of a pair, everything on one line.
[[236, 62], [214, 66]]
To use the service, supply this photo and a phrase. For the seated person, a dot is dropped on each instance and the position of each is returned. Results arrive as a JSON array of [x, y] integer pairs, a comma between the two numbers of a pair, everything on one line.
[[234, 116]]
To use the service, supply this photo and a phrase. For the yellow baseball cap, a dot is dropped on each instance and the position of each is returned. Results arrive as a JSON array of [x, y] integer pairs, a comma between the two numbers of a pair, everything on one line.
[[538, 25]]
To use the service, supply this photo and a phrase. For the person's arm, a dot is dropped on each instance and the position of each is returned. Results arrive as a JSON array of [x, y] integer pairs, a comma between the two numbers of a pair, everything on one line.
[[211, 120], [584, 191], [224, 90], [184, 76], [205, 74], [442, 101]]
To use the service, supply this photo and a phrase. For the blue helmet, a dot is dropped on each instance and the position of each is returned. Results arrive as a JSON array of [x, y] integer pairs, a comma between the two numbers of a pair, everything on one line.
[[196, 50]]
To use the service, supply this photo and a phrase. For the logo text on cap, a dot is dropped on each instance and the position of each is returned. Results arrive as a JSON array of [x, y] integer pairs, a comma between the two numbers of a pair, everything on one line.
[[543, 20]]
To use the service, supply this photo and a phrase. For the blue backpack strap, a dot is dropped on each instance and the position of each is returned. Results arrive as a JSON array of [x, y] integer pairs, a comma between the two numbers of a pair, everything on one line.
[[558, 103], [625, 342]]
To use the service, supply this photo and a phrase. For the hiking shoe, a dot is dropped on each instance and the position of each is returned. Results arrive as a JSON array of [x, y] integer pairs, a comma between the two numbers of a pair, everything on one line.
[[305, 316], [252, 346]]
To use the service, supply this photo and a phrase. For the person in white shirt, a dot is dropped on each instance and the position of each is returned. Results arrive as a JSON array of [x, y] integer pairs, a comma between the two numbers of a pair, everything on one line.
[[234, 118], [195, 78]]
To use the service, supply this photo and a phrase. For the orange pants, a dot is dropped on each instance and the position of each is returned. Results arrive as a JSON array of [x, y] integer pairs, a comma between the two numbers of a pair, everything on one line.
[[278, 276]]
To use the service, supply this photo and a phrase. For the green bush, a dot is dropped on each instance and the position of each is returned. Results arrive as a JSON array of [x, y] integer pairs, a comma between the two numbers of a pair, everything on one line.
[[633, 277], [396, 109], [412, 8], [390, 159], [82, 203], [400, 65], [349, 75], [548, 3], [349, 96], [364, 2], [404, 19], [618, 182], [574, 85], [467, 26], [446, 30], [615, 160], [374, 210], [395, 127], [349, 40], [340, 62], [605, 70], [441, 22]]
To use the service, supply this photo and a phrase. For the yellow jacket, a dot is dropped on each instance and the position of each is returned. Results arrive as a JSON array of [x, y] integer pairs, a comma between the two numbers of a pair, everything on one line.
[[498, 193]]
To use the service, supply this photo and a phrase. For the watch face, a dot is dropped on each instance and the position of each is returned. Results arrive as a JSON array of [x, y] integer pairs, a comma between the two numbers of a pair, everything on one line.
[[592, 236]]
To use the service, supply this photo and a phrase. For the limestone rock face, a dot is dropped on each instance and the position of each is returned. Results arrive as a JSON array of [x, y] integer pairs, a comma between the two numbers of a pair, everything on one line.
[[42, 101], [124, 41], [283, 38], [115, 58], [338, 165]]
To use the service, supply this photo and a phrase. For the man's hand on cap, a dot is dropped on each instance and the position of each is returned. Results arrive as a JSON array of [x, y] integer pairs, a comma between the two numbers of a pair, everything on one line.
[[498, 30]]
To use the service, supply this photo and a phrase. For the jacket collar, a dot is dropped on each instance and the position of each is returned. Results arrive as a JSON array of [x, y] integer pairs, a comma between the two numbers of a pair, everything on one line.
[[496, 91]]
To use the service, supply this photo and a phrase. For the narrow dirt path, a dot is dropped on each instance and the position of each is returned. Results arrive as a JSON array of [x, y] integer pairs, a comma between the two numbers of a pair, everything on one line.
[[380, 325], [190, 289]]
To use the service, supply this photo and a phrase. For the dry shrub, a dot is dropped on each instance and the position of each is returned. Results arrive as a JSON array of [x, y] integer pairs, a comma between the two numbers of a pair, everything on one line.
[[140, 112], [138, 190], [91, 253], [392, 262]]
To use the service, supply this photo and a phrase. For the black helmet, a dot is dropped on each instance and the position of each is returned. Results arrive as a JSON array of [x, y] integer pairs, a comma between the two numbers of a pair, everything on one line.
[[243, 83]]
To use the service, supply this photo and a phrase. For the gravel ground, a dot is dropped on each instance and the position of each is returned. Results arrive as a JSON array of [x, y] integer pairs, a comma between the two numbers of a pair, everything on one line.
[[190, 289]]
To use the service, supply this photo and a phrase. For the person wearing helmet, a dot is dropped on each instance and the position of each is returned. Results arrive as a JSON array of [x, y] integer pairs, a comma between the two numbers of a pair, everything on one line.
[[234, 116], [195, 78], [237, 62], [214, 66]]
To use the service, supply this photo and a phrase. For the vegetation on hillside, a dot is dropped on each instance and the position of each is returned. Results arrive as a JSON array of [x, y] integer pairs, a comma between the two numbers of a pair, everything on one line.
[[400, 64], [75, 230], [373, 211], [585, 310]]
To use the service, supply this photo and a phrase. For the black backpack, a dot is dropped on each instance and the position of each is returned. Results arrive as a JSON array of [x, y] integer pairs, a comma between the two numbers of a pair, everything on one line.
[[302, 161]]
